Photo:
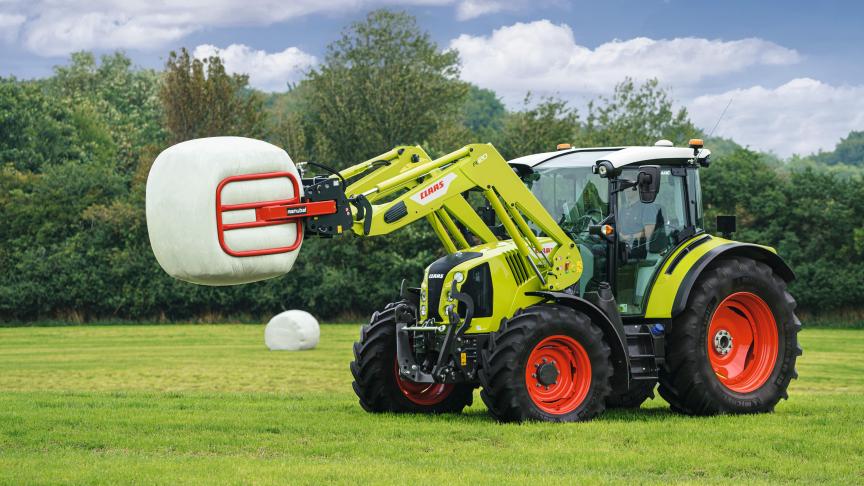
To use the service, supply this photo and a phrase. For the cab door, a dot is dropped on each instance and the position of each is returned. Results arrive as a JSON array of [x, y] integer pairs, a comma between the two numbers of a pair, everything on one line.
[[646, 233]]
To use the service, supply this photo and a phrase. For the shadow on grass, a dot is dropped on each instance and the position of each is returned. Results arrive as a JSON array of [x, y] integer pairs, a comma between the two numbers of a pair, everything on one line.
[[478, 414]]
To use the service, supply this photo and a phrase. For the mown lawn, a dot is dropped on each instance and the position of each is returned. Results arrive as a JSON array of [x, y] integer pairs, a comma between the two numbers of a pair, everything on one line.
[[204, 404]]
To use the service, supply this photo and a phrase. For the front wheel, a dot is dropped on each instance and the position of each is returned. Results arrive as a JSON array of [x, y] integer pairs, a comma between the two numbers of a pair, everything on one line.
[[548, 363], [733, 349], [381, 388]]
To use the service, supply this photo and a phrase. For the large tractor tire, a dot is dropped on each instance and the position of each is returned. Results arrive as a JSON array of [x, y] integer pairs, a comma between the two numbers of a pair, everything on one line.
[[378, 384], [733, 349], [547, 363], [633, 397]]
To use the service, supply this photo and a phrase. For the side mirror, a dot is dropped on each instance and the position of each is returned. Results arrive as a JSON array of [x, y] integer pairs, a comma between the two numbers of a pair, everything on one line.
[[648, 182]]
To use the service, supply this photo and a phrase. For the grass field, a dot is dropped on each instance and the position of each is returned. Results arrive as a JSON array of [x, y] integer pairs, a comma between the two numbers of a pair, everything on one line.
[[202, 404]]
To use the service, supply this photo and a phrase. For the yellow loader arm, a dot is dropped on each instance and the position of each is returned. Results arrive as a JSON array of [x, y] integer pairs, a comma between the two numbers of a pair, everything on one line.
[[401, 186]]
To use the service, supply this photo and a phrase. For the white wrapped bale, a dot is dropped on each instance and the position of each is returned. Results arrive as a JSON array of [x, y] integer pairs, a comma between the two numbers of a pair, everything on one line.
[[292, 330], [182, 211]]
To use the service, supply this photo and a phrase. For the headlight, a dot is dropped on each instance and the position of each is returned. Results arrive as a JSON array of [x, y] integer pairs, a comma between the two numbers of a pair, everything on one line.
[[458, 277]]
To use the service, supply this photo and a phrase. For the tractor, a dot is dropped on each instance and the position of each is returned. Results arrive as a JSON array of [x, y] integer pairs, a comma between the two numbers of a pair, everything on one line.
[[573, 281]]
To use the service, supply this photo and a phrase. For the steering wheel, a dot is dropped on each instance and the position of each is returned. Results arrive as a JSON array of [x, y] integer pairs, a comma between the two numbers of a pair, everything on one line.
[[588, 219]]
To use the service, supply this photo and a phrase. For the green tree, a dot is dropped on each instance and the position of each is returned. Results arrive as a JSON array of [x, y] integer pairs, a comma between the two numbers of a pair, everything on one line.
[[849, 150], [745, 184], [635, 115], [200, 99], [482, 111], [537, 128], [38, 130], [383, 83], [116, 96], [288, 121]]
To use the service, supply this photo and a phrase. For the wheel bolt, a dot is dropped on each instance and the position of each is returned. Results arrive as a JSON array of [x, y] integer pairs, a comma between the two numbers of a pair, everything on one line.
[[533, 375]]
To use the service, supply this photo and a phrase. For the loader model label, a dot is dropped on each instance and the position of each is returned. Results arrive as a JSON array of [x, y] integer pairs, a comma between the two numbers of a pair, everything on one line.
[[434, 190], [300, 210]]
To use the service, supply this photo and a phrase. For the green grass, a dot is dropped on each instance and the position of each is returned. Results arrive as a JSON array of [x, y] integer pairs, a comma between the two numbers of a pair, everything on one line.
[[196, 404]]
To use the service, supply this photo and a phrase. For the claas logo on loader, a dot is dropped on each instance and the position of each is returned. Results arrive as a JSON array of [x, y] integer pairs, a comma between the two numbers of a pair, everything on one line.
[[430, 190], [434, 190]]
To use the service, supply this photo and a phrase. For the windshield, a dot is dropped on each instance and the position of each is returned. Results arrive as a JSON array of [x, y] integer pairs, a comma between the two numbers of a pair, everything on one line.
[[574, 196]]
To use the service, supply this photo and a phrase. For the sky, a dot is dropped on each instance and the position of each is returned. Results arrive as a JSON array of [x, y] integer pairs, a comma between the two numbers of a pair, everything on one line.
[[792, 69]]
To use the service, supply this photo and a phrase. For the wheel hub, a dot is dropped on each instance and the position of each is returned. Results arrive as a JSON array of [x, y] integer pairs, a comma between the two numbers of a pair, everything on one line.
[[547, 374], [722, 342]]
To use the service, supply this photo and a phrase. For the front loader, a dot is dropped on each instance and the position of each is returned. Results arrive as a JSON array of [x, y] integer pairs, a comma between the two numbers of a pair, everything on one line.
[[572, 281]]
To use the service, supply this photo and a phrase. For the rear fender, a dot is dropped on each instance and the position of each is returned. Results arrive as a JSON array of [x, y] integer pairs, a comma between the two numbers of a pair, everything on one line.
[[747, 250], [677, 276]]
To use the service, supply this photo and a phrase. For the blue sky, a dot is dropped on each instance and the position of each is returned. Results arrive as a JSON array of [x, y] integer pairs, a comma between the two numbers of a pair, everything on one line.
[[793, 69]]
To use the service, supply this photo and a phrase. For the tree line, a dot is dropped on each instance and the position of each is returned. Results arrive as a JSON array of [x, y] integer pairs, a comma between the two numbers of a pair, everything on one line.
[[76, 147]]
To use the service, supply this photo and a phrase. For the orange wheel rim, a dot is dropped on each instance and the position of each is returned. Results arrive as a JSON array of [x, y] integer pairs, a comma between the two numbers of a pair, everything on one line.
[[742, 342], [422, 393], [558, 374]]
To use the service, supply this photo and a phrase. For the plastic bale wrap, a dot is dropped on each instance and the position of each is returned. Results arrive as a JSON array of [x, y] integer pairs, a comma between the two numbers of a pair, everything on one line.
[[292, 330], [182, 212]]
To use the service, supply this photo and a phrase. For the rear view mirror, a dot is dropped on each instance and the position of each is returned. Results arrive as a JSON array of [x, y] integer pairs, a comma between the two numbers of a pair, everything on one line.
[[648, 182]]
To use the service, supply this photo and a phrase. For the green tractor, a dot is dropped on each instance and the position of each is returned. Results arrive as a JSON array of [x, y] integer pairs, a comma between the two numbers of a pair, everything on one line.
[[573, 281]]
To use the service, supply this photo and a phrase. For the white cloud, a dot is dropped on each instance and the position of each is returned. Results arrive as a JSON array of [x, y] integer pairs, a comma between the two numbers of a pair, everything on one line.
[[801, 116], [56, 33], [55, 28], [544, 57], [10, 24], [471, 9], [267, 71]]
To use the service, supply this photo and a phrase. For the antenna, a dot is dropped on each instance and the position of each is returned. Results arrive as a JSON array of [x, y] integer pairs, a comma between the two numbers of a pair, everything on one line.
[[721, 117], [722, 114]]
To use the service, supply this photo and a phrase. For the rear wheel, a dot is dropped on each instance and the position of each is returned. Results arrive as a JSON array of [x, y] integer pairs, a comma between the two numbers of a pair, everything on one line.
[[733, 349], [378, 384], [550, 363]]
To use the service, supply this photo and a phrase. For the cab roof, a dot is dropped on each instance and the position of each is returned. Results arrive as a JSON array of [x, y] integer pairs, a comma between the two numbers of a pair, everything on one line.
[[617, 156]]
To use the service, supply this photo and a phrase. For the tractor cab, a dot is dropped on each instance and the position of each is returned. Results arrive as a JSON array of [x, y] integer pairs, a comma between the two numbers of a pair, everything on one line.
[[625, 227]]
